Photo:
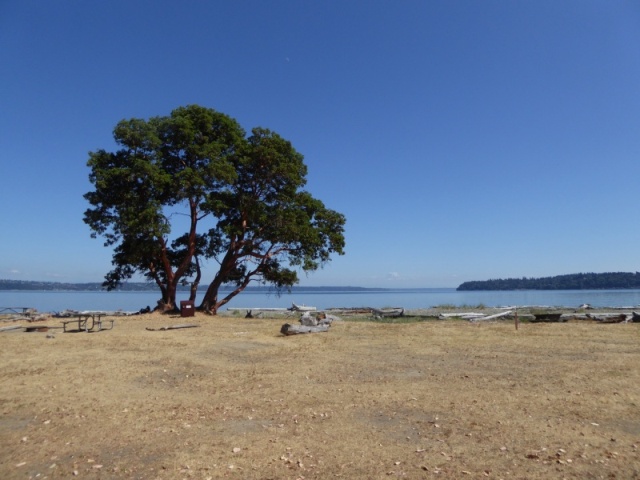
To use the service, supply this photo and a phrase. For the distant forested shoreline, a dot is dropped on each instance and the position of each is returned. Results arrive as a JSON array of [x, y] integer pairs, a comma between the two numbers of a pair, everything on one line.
[[574, 281], [145, 287]]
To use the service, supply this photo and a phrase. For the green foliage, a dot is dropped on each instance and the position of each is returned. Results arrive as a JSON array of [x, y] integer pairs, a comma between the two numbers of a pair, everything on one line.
[[164, 163], [577, 281], [267, 225], [243, 198]]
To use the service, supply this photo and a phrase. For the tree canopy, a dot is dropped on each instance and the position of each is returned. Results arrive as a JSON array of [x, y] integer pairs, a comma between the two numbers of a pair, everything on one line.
[[242, 199]]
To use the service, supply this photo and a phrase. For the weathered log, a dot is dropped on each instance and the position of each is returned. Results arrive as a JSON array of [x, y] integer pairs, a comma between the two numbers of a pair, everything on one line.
[[309, 320], [351, 310], [288, 329], [464, 315], [609, 317], [388, 312], [491, 317], [11, 327], [173, 327], [547, 317], [39, 328], [328, 319]]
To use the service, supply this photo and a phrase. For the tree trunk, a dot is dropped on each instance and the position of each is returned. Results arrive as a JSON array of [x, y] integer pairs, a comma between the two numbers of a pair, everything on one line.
[[211, 298], [168, 301], [210, 302], [196, 282], [191, 250]]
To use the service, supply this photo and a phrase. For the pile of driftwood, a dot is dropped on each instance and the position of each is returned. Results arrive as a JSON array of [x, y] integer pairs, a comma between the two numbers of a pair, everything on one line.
[[310, 323], [374, 312], [615, 317], [16, 314], [475, 317]]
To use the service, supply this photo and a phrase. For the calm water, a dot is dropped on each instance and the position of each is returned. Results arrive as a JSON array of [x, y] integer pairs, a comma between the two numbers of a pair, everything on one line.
[[407, 298]]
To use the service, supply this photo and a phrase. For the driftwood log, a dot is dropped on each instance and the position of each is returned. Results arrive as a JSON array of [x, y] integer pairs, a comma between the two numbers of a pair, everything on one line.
[[491, 317], [173, 327], [310, 320], [610, 317], [548, 317], [388, 312], [10, 327], [39, 328], [288, 329]]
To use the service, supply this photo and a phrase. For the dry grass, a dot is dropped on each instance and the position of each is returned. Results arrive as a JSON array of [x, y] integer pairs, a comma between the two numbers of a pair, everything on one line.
[[233, 398]]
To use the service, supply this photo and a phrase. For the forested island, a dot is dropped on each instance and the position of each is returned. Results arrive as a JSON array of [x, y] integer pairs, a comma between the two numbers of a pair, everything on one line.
[[574, 281]]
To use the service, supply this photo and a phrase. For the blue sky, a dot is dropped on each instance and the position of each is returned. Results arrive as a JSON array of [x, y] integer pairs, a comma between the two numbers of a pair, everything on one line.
[[463, 140]]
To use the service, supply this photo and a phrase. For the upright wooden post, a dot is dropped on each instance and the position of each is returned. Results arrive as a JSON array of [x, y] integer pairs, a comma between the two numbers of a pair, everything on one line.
[[516, 318]]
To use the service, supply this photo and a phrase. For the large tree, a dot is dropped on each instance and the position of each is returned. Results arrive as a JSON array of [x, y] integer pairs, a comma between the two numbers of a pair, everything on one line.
[[166, 168], [242, 199], [268, 226]]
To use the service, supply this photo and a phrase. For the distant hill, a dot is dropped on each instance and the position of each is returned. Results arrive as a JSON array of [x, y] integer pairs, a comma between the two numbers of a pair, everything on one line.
[[147, 286], [574, 281], [60, 286]]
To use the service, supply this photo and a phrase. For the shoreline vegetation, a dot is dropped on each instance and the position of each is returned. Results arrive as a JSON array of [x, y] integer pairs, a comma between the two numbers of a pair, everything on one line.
[[574, 281]]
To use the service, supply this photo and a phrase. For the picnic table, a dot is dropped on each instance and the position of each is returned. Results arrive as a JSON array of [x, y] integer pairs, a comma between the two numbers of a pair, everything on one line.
[[83, 321]]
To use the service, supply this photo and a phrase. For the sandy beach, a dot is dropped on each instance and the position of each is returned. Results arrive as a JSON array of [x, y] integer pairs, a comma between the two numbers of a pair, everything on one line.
[[233, 398]]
